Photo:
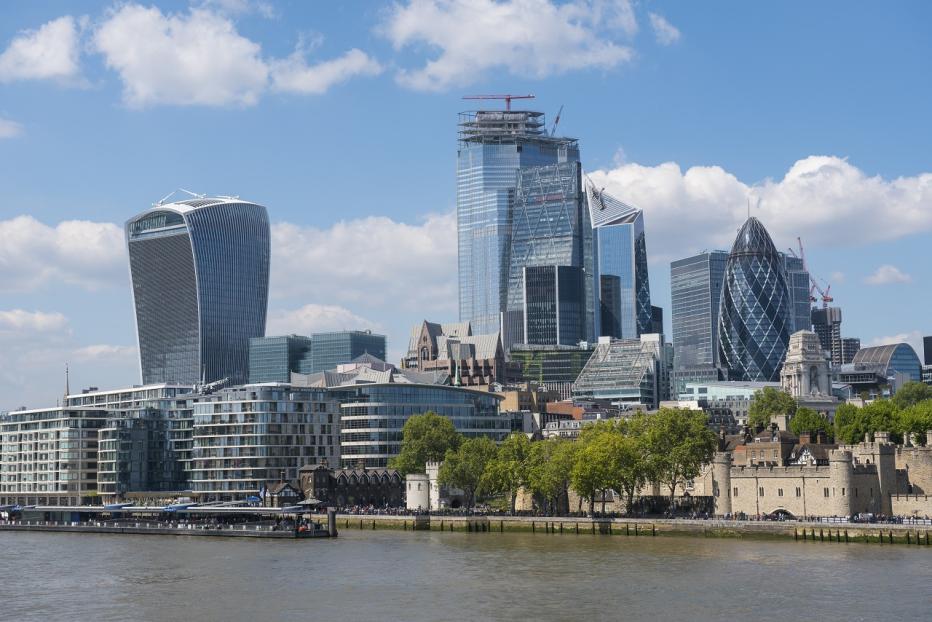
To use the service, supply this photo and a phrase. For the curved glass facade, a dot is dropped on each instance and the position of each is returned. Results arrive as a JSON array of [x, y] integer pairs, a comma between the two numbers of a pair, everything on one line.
[[755, 317], [372, 417], [200, 279]]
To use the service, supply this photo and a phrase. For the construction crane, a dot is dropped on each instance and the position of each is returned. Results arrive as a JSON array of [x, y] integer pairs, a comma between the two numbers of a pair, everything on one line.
[[814, 286], [507, 98], [556, 122]]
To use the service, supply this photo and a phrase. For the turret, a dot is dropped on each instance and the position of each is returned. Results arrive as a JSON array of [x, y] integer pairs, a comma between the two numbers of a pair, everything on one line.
[[721, 482], [842, 473]]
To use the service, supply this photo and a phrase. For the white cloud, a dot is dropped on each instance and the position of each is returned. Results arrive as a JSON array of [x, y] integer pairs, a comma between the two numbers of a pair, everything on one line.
[[824, 199], [199, 58], [76, 252], [913, 338], [240, 7], [374, 261], [293, 74], [887, 274], [9, 129], [104, 352], [50, 53], [315, 318], [665, 32], [17, 321], [526, 38]]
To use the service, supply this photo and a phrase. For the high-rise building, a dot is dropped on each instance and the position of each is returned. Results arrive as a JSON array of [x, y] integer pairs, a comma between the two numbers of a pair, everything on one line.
[[826, 323], [621, 251], [553, 306], [656, 320], [493, 146], [331, 349], [755, 315], [272, 359], [797, 284], [200, 280], [551, 233], [695, 293], [927, 350], [850, 346]]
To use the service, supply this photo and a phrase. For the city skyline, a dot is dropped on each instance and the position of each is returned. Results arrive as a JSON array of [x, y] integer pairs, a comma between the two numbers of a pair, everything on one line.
[[90, 140]]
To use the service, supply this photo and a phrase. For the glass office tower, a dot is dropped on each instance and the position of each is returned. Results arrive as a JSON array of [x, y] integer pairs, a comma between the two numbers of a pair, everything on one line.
[[621, 251], [695, 293], [797, 283], [755, 315], [272, 359], [551, 230], [493, 146], [331, 349], [200, 280], [554, 311]]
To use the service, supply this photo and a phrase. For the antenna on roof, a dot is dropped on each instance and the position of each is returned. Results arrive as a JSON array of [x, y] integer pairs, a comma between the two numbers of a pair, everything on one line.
[[193, 194], [163, 199]]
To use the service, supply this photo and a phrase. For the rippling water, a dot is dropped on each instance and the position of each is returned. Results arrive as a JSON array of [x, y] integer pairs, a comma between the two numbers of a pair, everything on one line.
[[391, 575]]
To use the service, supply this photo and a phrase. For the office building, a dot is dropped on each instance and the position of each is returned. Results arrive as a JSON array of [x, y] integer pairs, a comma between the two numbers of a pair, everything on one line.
[[469, 360], [695, 292], [826, 323], [656, 320], [621, 251], [850, 346], [272, 359], [755, 314], [376, 401], [493, 146], [797, 285], [200, 282], [633, 371], [554, 367], [879, 371], [927, 350], [552, 257], [328, 350]]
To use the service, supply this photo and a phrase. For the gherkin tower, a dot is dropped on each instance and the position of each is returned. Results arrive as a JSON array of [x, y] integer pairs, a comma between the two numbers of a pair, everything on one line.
[[755, 318]]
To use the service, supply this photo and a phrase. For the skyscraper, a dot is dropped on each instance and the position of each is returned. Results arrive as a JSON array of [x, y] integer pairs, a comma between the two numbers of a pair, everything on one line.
[[621, 251], [200, 280], [695, 293], [493, 146], [554, 309], [755, 315], [551, 229], [797, 283], [331, 349]]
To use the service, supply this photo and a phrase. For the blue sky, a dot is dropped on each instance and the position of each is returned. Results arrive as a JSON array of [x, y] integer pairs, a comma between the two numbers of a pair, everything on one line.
[[340, 118]]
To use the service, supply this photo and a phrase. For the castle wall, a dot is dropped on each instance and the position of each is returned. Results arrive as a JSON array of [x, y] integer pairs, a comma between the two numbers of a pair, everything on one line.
[[917, 462], [918, 506]]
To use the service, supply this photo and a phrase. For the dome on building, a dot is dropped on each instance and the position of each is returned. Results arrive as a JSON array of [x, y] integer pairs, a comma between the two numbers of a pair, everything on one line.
[[755, 312]]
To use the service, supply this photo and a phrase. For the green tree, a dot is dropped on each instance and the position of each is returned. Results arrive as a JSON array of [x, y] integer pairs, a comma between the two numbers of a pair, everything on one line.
[[545, 481], [847, 423], [852, 424], [808, 421], [916, 420], [910, 394], [507, 473], [591, 474], [629, 464], [425, 438], [768, 402], [465, 466], [679, 442]]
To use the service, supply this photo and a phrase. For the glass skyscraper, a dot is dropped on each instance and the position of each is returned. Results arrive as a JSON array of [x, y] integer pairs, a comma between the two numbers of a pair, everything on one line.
[[493, 146], [551, 233], [331, 349], [200, 280], [797, 282], [755, 315], [272, 359], [621, 251], [695, 293]]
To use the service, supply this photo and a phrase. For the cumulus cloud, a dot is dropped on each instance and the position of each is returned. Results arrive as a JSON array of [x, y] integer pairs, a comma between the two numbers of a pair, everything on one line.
[[104, 352], [315, 318], [200, 58], [913, 338], [824, 199], [52, 52], [375, 260], [9, 129], [18, 321], [665, 32], [886, 275], [76, 252], [294, 75], [526, 38]]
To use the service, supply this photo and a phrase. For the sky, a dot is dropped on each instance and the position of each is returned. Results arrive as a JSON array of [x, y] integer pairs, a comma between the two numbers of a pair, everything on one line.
[[340, 118]]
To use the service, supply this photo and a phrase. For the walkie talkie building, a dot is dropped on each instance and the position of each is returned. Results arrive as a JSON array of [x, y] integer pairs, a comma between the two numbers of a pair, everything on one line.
[[200, 280]]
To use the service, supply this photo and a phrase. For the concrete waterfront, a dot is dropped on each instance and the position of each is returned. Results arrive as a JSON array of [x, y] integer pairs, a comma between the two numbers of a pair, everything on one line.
[[840, 532]]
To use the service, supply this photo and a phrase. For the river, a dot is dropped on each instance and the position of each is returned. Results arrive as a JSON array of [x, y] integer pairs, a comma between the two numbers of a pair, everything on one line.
[[392, 575]]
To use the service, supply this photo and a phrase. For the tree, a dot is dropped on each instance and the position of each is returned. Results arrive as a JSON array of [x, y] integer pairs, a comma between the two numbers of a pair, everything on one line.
[[465, 466], [808, 421], [852, 424], [679, 442], [916, 420], [591, 472], [425, 438], [847, 423], [544, 478], [508, 471], [629, 464], [910, 394], [768, 402]]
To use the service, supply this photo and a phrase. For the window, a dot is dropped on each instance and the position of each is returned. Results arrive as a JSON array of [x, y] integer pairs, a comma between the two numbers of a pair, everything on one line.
[[736, 491], [774, 453], [761, 491], [842, 492], [798, 492], [825, 491], [779, 492]]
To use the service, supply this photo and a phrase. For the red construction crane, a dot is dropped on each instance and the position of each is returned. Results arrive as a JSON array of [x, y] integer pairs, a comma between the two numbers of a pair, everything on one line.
[[824, 294], [507, 98]]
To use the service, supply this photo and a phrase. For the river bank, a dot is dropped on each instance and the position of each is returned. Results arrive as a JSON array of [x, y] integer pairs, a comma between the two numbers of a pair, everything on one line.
[[867, 533]]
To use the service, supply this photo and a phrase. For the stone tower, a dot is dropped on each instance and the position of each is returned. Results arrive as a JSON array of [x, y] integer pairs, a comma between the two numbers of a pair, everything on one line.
[[721, 482], [841, 469], [805, 371]]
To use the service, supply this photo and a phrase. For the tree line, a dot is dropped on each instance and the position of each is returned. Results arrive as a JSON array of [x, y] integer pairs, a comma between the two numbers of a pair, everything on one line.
[[668, 447], [908, 412]]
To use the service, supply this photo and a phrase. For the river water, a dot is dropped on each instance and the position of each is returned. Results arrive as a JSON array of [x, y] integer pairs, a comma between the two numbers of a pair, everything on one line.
[[392, 575]]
